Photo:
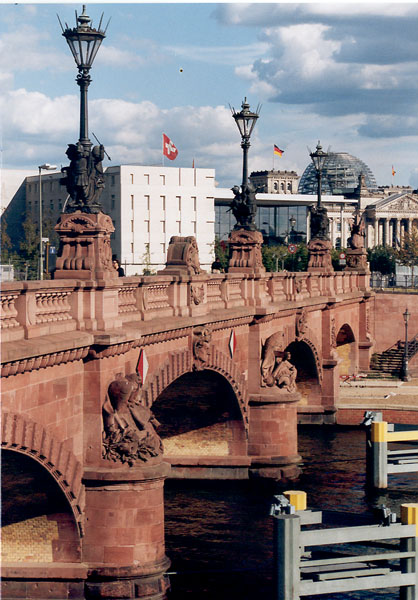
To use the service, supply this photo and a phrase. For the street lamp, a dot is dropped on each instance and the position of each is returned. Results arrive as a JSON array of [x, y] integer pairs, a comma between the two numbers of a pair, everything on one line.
[[405, 374], [292, 222], [245, 121], [84, 42], [45, 167], [318, 158]]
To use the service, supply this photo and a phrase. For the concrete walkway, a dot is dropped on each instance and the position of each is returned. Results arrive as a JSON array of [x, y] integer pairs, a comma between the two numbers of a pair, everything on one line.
[[377, 394]]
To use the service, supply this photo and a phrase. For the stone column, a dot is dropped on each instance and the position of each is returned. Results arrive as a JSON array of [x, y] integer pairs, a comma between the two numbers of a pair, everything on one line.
[[123, 544], [375, 232], [398, 232], [272, 437]]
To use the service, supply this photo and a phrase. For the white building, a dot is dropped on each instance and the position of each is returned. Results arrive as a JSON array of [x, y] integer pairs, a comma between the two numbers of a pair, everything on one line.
[[148, 206]]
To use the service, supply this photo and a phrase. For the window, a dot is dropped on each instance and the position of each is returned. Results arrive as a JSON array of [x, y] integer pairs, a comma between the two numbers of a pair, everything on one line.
[[147, 202], [132, 247], [179, 226], [338, 226], [289, 187], [51, 185], [132, 225], [178, 198], [29, 187], [163, 248], [194, 200], [132, 201], [112, 180], [146, 226], [162, 177], [275, 186], [282, 186], [146, 177], [163, 226], [162, 202], [194, 226], [132, 177]]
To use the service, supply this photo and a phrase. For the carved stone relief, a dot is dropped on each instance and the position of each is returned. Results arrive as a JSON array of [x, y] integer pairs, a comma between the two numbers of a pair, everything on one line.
[[129, 434], [272, 344], [202, 337], [301, 323]]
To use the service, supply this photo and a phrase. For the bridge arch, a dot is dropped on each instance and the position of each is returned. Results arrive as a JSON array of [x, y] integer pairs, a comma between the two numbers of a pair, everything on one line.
[[347, 351], [180, 363], [24, 436], [305, 357]]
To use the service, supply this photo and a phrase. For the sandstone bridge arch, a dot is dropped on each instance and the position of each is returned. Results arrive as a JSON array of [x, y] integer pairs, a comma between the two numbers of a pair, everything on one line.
[[26, 437], [180, 363]]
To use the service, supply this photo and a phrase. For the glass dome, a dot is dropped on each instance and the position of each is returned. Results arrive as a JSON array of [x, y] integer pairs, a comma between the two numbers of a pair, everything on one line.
[[340, 175]]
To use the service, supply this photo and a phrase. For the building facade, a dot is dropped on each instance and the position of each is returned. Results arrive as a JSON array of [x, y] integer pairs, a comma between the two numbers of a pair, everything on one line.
[[275, 182], [148, 206]]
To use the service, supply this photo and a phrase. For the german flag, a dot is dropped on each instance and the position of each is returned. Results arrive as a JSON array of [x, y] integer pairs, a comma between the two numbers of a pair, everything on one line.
[[277, 151]]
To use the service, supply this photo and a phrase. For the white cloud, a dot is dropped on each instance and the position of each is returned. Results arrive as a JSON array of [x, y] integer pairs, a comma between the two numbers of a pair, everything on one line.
[[221, 55]]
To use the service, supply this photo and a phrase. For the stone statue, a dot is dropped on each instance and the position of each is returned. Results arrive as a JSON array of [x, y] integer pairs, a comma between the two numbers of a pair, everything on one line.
[[129, 427], [244, 207], [358, 231], [319, 223], [272, 344], [84, 178], [284, 374]]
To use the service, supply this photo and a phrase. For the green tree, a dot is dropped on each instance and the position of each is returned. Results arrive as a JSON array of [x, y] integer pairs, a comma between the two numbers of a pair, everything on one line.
[[6, 244], [382, 259], [29, 250], [407, 254], [279, 258]]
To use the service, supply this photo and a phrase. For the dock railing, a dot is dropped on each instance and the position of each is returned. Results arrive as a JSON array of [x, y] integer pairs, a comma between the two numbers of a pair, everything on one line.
[[381, 459], [315, 561]]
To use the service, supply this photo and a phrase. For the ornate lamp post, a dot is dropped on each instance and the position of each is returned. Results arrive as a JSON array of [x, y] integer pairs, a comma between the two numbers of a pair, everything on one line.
[[245, 121], [85, 250], [245, 241], [45, 167], [84, 43], [319, 247], [318, 158], [405, 374], [84, 176]]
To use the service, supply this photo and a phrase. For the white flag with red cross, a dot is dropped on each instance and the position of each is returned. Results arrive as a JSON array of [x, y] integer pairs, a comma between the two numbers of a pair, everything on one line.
[[169, 149]]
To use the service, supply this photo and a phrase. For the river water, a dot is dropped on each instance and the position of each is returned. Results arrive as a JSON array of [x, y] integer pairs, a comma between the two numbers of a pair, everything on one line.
[[219, 534]]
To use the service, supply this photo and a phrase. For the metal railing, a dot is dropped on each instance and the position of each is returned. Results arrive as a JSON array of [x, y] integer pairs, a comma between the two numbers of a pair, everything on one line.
[[381, 460], [394, 282], [315, 561]]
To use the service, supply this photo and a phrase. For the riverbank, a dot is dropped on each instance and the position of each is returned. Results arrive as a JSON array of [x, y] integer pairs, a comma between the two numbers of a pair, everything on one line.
[[397, 400]]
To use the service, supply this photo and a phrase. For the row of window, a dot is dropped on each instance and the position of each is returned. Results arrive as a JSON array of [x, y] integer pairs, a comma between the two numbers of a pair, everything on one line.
[[163, 226]]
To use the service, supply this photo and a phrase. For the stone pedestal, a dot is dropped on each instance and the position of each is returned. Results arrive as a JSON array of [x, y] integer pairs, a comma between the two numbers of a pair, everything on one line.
[[182, 257], [320, 256], [357, 260], [85, 251], [245, 252], [123, 546], [272, 440]]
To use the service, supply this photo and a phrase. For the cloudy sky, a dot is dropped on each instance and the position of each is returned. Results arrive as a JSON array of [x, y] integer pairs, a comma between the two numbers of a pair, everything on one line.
[[346, 74]]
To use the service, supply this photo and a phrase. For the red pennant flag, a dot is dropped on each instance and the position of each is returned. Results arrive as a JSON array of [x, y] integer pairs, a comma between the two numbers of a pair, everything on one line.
[[169, 149]]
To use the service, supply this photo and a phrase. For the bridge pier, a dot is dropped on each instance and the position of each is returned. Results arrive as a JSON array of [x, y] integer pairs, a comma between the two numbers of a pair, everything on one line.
[[123, 543], [272, 438]]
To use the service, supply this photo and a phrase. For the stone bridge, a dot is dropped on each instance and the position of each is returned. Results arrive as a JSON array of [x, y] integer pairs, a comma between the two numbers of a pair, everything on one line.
[[211, 352]]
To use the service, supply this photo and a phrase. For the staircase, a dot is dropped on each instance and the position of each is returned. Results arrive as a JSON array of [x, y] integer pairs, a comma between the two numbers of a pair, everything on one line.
[[391, 360]]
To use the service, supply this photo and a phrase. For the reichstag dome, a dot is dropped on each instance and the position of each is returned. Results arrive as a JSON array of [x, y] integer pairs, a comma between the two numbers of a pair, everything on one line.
[[340, 175]]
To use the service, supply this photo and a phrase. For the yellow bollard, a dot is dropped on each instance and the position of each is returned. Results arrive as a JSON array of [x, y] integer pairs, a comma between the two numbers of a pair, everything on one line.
[[409, 515], [296, 499], [379, 431]]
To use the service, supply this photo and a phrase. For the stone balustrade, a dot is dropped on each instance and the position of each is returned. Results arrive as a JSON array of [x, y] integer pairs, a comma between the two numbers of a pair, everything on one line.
[[33, 309]]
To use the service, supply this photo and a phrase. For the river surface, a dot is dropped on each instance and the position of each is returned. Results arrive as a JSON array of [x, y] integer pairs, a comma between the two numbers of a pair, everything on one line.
[[219, 533]]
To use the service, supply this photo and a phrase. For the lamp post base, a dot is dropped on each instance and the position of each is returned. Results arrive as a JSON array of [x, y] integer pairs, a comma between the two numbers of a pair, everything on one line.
[[320, 256], [245, 252]]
